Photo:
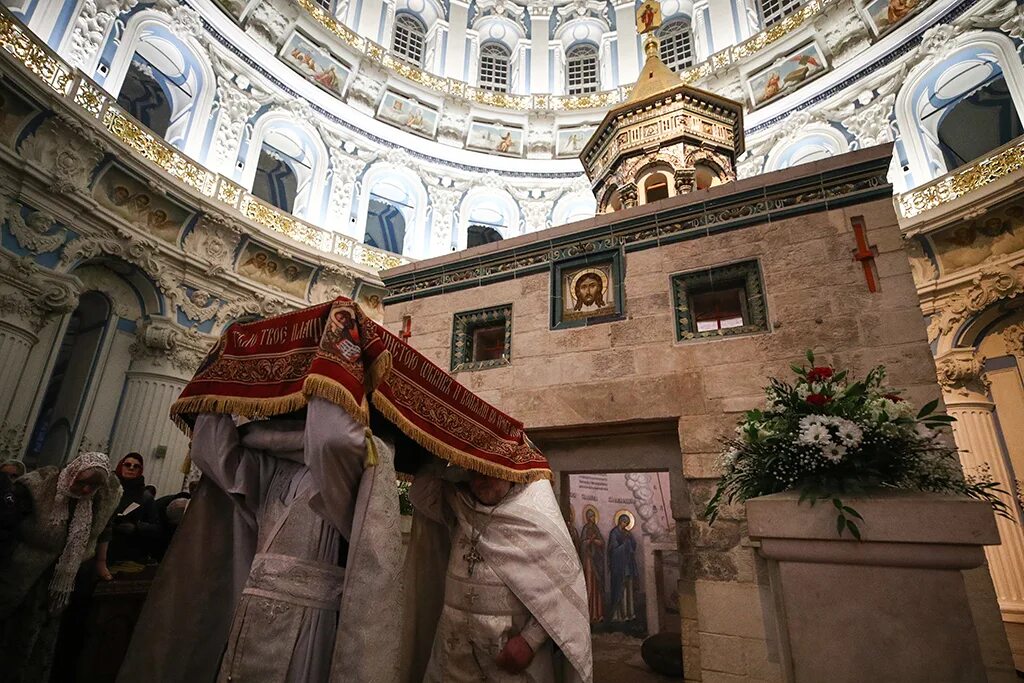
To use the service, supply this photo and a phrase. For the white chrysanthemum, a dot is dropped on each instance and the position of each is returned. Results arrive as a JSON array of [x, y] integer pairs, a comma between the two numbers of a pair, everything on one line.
[[814, 435], [808, 421], [833, 452], [803, 391], [848, 432]]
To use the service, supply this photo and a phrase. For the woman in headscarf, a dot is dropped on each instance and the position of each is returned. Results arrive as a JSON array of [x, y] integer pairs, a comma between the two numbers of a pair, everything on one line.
[[13, 469], [66, 510], [135, 524]]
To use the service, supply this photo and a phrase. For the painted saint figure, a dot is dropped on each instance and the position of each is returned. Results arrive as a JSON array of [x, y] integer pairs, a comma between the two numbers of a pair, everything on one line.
[[622, 562], [592, 558]]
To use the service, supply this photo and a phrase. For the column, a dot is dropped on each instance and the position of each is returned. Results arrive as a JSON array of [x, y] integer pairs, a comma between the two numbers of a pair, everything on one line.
[[456, 65], [164, 358], [17, 338], [540, 18], [627, 46], [965, 392], [729, 23]]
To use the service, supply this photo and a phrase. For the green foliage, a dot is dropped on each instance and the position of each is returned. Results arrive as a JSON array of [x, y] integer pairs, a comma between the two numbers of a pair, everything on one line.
[[827, 437], [404, 502]]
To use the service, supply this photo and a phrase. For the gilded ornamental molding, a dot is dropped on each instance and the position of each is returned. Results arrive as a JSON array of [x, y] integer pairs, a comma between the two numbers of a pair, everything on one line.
[[457, 89], [963, 182]]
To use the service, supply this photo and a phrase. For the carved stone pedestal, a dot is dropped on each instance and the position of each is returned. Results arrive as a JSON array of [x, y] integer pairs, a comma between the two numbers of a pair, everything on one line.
[[893, 607]]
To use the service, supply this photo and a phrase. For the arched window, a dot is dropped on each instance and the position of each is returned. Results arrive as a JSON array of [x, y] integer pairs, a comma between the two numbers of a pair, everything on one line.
[[977, 122], [676, 45], [389, 215], [481, 234], [277, 182], [143, 98], [410, 36], [773, 11], [655, 187], [73, 371], [494, 60], [581, 70]]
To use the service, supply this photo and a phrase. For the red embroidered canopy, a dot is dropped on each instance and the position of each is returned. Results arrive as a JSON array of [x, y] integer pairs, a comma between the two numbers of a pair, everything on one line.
[[333, 351]]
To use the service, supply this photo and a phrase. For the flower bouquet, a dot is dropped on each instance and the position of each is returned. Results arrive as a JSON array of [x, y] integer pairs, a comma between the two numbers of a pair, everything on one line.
[[827, 437]]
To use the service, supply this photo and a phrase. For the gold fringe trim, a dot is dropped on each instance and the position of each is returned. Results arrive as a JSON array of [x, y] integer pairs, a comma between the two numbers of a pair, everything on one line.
[[452, 455], [253, 408], [336, 393]]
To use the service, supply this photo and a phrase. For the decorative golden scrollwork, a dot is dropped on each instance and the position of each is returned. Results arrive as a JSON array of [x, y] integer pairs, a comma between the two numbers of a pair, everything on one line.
[[33, 55], [90, 97], [963, 182]]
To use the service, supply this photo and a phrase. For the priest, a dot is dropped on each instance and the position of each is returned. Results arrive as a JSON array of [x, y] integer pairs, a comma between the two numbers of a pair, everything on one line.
[[513, 603]]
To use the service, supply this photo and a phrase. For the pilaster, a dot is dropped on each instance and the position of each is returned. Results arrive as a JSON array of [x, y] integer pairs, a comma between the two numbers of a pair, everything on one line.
[[965, 392], [164, 358]]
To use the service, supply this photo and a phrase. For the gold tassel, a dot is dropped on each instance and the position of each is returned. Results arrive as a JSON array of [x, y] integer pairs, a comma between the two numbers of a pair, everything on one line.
[[371, 450]]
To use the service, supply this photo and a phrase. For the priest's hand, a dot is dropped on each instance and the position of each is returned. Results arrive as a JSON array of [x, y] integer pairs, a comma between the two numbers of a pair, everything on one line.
[[516, 655]]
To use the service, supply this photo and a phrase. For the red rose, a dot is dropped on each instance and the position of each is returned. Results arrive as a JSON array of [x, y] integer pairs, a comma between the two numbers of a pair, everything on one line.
[[895, 398], [817, 399], [820, 374]]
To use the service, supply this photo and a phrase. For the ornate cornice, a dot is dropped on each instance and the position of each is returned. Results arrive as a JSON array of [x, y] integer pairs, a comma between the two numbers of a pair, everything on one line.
[[31, 292], [1013, 338], [990, 285], [688, 217], [159, 343]]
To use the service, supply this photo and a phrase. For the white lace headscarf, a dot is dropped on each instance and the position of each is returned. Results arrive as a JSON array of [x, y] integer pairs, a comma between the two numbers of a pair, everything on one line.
[[78, 531]]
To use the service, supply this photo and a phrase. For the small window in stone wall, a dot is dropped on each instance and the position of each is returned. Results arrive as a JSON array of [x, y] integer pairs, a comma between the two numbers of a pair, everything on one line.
[[719, 302], [482, 338]]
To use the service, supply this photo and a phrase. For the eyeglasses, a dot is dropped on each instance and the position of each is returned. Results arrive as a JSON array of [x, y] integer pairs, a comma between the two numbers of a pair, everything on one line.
[[131, 466]]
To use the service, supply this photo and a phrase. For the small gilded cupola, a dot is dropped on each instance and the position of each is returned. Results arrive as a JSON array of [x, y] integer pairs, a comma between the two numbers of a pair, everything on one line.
[[666, 139]]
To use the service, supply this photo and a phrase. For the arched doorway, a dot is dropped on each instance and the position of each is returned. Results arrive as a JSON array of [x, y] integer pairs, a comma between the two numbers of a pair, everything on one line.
[[54, 434]]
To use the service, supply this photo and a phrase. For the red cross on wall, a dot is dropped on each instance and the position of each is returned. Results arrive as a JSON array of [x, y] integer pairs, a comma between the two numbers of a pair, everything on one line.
[[865, 253], [406, 328]]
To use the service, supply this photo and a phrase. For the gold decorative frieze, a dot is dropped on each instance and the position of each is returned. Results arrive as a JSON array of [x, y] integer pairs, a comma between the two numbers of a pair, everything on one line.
[[159, 152], [380, 260], [90, 97], [83, 94], [963, 182], [34, 56], [547, 102]]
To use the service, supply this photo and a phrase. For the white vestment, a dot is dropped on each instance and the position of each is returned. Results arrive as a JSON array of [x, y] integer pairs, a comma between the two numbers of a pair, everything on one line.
[[526, 580]]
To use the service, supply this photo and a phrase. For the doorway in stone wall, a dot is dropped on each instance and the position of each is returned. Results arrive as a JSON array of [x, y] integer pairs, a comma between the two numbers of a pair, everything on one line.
[[621, 491]]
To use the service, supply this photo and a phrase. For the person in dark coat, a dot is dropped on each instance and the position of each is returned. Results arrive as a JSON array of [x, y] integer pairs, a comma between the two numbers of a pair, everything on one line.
[[134, 525]]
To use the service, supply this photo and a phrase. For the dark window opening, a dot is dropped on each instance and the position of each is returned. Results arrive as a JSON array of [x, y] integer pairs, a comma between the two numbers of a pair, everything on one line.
[[655, 188], [488, 343], [385, 225], [143, 98], [481, 234], [977, 123], [275, 182], [719, 309]]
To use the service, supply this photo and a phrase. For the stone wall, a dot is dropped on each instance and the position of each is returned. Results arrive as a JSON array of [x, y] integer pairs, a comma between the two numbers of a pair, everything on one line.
[[633, 370]]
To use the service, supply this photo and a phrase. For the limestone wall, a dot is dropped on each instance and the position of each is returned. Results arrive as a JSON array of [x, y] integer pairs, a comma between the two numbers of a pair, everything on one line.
[[632, 370]]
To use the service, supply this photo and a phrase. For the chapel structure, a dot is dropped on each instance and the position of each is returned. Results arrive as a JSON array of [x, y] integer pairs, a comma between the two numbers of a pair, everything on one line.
[[666, 139], [614, 227]]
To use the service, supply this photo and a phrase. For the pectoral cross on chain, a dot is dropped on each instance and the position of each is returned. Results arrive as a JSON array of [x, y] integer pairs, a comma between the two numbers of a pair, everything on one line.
[[472, 558]]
